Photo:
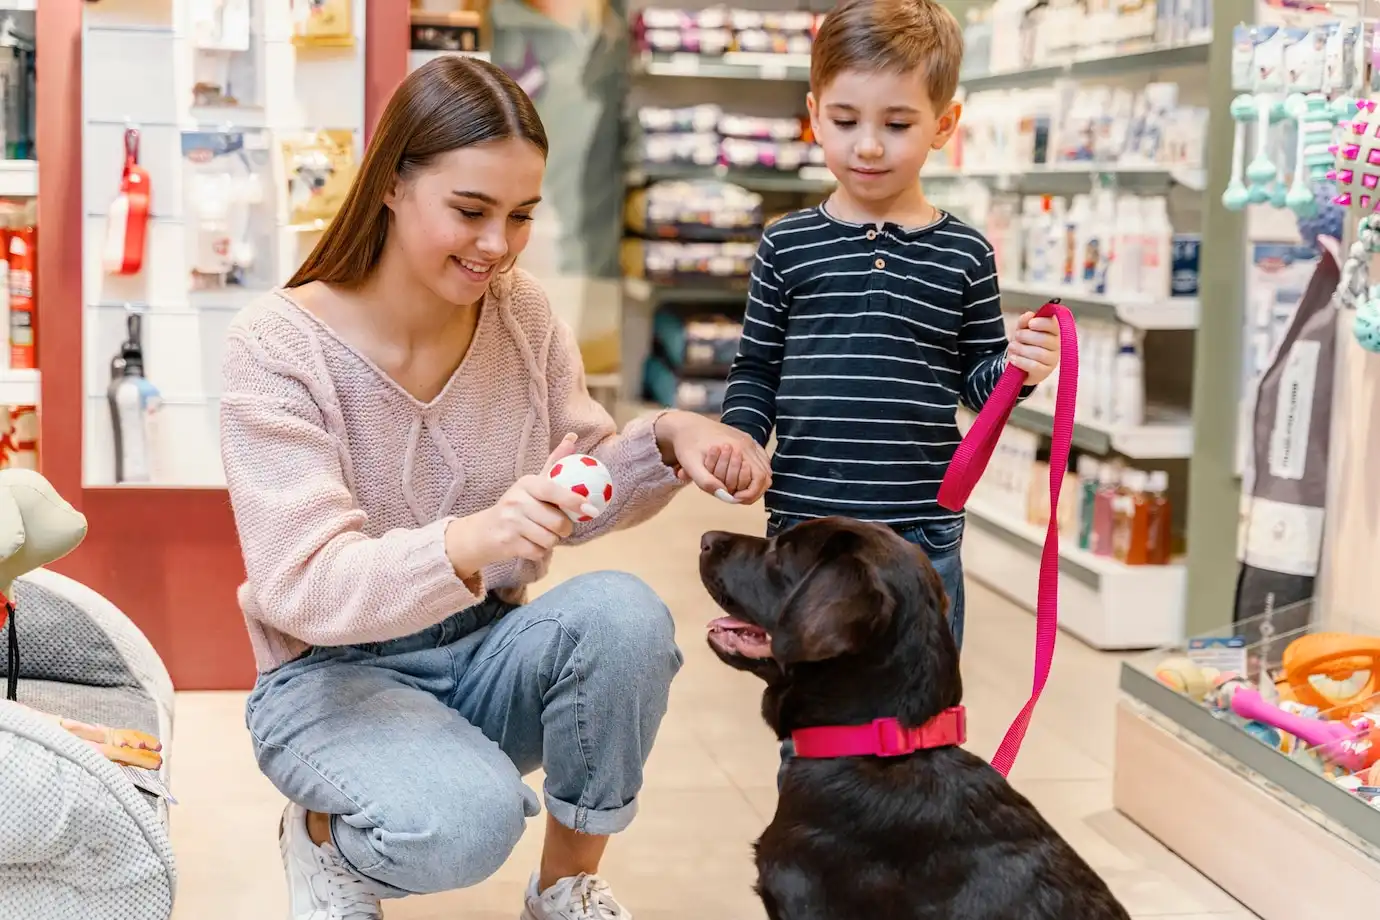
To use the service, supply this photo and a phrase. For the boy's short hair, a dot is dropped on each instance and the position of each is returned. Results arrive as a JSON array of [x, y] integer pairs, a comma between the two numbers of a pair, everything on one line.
[[902, 36]]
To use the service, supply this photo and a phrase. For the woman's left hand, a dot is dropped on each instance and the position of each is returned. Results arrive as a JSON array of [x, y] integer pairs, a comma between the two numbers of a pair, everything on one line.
[[1034, 347], [695, 446]]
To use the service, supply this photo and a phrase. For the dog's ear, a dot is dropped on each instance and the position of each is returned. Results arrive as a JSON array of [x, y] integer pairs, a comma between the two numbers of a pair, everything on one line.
[[834, 610]]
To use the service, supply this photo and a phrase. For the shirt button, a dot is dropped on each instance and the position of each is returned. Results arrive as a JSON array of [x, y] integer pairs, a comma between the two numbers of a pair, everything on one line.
[[879, 263], [872, 234]]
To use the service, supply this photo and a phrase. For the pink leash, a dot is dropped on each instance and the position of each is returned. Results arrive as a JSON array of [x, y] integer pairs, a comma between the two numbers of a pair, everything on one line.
[[970, 459]]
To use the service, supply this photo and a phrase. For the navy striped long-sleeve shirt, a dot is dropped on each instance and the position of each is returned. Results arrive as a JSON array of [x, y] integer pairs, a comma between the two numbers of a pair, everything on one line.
[[858, 343]]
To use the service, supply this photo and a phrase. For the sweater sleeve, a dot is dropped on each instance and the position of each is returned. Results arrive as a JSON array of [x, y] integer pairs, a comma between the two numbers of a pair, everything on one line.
[[982, 340], [642, 483], [314, 574], [750, 398]]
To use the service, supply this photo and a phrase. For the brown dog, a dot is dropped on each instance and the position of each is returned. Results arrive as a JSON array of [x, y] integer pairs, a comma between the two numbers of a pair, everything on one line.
[[846, 624]]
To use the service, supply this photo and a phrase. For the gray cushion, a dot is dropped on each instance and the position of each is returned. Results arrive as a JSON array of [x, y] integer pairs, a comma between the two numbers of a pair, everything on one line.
[[59, 641]]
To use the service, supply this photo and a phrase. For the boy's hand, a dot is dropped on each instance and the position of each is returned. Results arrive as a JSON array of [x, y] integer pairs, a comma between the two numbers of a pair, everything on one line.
[[1034, 347], [737, 471], [695, 446]]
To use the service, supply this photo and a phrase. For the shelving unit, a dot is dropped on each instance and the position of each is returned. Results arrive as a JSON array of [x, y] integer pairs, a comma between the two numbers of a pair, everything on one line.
[[165, 553], [1105, 603]]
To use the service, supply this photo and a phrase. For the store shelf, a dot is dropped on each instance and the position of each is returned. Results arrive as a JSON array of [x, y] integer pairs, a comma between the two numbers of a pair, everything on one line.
[[18, 178], [1163, 438], [732, 65], [18, 388], [1128, 60], [1037, 177], [1104, 603], [655, 294], [807, 179], [1175, 313]]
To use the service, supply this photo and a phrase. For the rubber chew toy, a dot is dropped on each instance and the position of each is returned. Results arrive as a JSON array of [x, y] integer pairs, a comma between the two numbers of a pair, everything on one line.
[[1351, 745], [1357, 173], [587, 477], [1237, 196], [1339, 657]]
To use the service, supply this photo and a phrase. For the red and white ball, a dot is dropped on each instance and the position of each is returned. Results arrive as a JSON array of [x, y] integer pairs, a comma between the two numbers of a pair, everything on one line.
[[587, 477]]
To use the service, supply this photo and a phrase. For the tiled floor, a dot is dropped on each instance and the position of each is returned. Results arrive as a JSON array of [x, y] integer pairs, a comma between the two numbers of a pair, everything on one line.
[[710, 782]]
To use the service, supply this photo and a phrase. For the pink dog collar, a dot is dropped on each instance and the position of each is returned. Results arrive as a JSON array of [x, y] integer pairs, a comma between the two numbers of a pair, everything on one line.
[[881, 737]]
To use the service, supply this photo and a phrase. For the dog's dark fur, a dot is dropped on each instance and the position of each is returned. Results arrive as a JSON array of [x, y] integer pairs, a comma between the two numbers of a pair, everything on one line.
[[857, 618]]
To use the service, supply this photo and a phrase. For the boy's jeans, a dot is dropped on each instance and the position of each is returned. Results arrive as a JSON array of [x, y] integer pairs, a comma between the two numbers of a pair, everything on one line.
[[418, 746], [943, 543]]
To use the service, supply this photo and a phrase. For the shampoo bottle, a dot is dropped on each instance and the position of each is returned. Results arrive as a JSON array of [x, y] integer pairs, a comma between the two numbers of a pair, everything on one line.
[[1157, 250], [1159, 532], [1104, 512], [134, 408], [1128, 381], [1088, 473]]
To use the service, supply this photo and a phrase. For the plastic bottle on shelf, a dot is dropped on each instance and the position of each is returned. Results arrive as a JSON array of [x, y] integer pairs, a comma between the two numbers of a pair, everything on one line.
[[1157, 250], [1104, 512], [1100, 241], [1159, 528], [1089, 472], [1128, 381], [1126, 245], [1138, 515], [1077, 223]]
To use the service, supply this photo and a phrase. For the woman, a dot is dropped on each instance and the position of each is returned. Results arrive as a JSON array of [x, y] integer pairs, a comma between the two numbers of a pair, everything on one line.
[[385, 425]]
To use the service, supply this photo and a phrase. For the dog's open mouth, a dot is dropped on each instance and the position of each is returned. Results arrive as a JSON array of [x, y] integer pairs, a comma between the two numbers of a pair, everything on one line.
[[735, 637]]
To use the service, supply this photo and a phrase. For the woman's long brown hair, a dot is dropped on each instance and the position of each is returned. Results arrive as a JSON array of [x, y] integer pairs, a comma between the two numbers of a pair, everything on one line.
[[450, 102]]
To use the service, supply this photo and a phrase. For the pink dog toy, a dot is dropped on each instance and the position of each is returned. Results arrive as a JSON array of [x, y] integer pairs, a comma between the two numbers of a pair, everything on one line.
[[1347, 744]]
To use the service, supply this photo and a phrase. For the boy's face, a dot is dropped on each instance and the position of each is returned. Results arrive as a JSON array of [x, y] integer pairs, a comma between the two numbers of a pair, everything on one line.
[[877, 129]]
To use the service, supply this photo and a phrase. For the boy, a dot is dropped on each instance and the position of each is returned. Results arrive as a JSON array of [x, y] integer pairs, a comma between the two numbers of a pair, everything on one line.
[[870, 316]]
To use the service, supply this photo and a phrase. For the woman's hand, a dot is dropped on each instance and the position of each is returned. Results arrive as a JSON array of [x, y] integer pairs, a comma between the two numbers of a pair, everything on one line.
[[722, 461], [525, 523], [1034, 347]]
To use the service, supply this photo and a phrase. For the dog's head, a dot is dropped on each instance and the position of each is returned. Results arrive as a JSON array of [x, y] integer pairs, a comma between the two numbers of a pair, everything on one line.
[[843, 620]]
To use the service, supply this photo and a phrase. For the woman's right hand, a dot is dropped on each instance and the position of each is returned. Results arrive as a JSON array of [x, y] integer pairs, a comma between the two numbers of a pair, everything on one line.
[[525, 523]]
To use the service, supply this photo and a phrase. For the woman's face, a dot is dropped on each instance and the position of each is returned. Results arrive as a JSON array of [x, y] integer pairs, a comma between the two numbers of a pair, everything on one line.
[[467, 216]]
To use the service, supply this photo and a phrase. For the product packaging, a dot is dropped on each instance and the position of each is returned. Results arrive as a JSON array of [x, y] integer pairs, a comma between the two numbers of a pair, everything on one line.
[[23, 274], [19, 438], [227, 181], [225, 54], [327, 23], [135, 411], [319, 165]]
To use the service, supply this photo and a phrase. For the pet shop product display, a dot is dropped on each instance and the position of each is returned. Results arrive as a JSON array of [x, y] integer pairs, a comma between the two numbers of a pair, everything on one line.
[[135, 404], [323, 23], [320, 165], [717, 30], [1286, 465], [23, 274], [224, 53], [705, 135], [230, 233], [588, 478], [675, 262], [971, 458], [706, 210], [127, 221], [18, 71], [19, 438]]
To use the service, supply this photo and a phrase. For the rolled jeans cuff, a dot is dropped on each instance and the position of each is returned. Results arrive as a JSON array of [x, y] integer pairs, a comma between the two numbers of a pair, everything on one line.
[[595, 822]]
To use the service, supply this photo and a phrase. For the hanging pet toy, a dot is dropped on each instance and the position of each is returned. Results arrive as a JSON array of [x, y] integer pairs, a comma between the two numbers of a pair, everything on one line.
[[1355, 288]]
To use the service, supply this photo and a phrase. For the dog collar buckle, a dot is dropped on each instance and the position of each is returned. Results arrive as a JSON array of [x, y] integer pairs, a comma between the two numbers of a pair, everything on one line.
[[882, 737]]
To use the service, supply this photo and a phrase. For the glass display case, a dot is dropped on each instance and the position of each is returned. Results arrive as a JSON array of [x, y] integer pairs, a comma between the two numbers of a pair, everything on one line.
[[1262, 735]]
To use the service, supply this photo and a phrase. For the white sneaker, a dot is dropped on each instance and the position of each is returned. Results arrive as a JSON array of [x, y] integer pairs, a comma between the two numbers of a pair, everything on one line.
[[320, 885], [582, 897]]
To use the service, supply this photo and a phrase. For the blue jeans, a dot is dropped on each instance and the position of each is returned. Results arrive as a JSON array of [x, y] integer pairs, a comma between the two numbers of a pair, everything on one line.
[[417, 747], [943, 543]]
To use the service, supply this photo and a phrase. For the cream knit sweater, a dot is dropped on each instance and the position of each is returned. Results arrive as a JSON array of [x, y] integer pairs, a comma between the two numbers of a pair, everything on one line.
[[342, 483]]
